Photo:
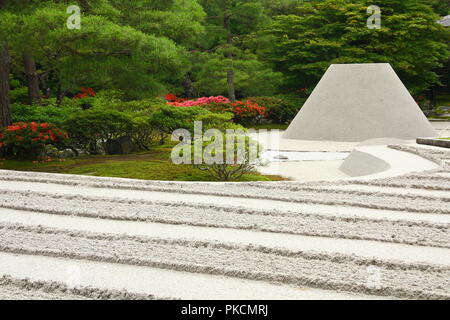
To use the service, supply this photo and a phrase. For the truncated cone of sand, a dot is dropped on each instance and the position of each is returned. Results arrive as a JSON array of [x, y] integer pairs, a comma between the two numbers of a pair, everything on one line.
[[356, 102]]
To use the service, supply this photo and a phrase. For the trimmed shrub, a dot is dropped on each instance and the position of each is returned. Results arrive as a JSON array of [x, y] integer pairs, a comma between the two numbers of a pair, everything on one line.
[[147, 106], [142, 133], [223, 160], [45, 113], [170, 118], [89, 127]]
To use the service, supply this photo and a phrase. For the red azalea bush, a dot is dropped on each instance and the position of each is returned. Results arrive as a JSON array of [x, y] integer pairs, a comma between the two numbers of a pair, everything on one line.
[[244, 112], [28, 140], [171, 98], [85, 93], [248, 112]]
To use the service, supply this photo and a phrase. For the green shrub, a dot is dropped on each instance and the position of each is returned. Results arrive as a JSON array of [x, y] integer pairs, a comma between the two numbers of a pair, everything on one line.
[[223, 160], [88, 127], [45, 113], [170, 118], [104, 99], [19, 95], [142, 133], [147, 106]]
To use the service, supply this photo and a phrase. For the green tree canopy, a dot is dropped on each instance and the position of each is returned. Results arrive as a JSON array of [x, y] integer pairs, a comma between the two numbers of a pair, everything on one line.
[[129, 46], [228, 63], [335, 31]]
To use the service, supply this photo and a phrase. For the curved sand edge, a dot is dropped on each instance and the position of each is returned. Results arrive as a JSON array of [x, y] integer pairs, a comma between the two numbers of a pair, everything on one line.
[[374, 162]]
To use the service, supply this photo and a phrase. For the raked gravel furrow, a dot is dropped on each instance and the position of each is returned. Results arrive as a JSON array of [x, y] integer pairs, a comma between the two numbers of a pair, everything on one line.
[[142, 280], [295, 193], [336, 272], [441, 183], [24, 289], [391, 189], [346, 239], [415, 233]]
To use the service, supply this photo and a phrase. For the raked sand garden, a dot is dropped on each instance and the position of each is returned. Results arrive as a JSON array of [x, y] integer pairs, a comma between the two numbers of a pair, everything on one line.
[[78, 237], [341, 219], [224, 150]]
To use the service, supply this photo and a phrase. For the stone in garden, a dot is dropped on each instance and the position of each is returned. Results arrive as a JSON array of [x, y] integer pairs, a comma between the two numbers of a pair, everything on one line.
[[50, 151], [98, 149], [281, 157], [81, 153], [67, 153], [357, 102], [122, 145]]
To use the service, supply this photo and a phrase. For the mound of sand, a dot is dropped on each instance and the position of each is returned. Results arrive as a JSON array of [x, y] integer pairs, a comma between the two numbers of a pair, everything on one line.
[[356, 102]]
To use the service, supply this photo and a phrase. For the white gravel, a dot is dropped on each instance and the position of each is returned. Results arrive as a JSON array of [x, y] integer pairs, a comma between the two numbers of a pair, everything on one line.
[[163, 283], [378, 250], [227, 241]]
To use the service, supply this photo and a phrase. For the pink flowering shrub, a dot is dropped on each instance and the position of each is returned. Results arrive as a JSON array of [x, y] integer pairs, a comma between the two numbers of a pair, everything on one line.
[[244, 111], [200, 102]]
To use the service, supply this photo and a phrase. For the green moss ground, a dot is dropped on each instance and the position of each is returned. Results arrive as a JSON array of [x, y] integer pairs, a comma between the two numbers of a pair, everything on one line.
[[152, 165]]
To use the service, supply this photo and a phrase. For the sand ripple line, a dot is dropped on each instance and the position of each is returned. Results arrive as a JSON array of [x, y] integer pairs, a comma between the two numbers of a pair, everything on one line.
[[13, 288], [398, 202], [327, 189], [326, 271], [415, 233], [430, 182]]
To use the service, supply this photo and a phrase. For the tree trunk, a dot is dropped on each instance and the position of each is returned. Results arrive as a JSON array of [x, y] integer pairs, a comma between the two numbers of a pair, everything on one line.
[[5, 104], [34, 95], [231, 88], [229, 55], [189, 90]]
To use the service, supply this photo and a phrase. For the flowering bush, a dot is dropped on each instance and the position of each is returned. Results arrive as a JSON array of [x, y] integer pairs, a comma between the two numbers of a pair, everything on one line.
[[171, 98], [248, 111], [244, 111], [85, 93], [199, 102], [27, 140]]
